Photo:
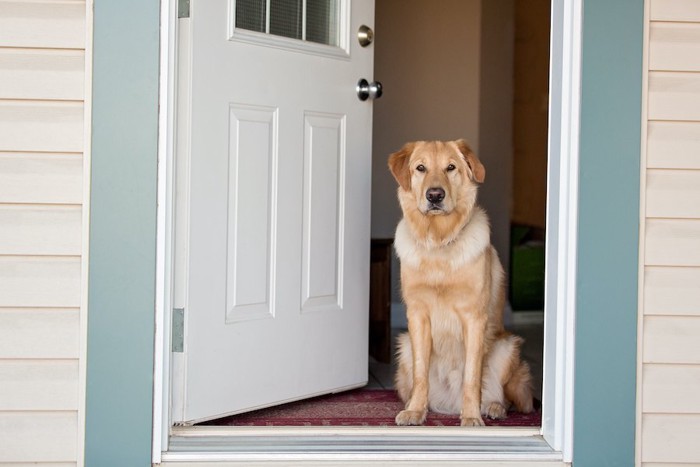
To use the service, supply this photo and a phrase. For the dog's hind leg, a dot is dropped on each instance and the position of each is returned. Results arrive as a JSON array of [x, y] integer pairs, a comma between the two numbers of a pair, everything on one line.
[[497, 366], [518, 389], [506, 379]]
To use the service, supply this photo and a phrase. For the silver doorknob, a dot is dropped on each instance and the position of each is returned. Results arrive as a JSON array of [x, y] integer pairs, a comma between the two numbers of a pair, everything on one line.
[[366, 90]]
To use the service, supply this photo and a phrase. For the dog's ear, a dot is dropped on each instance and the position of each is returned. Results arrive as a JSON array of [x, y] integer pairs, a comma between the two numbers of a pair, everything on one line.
[[478, 172], [398, 164]]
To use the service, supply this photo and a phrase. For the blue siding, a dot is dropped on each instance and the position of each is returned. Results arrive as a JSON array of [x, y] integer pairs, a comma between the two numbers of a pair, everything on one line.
[[606, 316], [122, 233]]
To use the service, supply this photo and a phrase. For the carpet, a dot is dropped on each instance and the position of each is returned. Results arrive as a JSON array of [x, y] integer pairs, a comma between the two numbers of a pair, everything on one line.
[[360, 407]]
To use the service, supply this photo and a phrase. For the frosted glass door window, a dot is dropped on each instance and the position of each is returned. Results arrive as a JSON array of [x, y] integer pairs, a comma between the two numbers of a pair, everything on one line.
[[306, 20]]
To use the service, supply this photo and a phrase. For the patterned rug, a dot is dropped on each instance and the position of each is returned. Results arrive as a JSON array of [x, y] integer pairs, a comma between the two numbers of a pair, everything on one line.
[[360, 407]]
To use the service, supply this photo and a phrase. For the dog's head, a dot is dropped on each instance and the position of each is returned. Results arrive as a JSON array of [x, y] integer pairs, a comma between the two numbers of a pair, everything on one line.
[[437, 177]]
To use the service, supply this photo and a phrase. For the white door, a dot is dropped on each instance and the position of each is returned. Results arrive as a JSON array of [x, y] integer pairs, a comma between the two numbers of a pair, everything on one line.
[[275, 270]]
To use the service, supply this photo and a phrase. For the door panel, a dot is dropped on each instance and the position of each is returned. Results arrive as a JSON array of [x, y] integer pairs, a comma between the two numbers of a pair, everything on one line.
[[324, 166], [250, 236], [277, 242]]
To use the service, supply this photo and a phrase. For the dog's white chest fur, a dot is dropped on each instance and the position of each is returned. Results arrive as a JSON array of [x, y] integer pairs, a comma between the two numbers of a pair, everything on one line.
[[468, 245]]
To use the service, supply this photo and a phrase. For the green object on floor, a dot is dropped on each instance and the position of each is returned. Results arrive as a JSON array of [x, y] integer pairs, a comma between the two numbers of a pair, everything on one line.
[[526, 290]]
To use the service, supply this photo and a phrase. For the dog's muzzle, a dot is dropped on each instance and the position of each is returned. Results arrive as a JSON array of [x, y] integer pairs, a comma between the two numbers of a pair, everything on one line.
[[435, 197]]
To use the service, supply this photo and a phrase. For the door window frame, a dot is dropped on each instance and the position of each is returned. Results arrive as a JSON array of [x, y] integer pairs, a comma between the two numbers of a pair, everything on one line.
[[553, 441]]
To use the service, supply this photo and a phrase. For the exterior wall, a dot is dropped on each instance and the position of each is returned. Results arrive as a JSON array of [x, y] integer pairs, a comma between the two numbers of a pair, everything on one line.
[[42, 70], [669, 418]]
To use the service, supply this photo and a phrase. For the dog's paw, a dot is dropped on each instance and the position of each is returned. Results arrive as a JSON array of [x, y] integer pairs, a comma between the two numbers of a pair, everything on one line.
[[411, 417], [495, 411], [471, 421]]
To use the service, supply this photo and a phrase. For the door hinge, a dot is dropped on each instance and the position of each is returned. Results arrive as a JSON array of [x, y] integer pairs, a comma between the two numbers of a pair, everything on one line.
[[178, 328], [183, 8]]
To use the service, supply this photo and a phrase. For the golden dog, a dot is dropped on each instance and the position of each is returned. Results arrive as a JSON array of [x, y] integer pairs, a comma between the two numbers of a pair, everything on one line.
[[456, 357]]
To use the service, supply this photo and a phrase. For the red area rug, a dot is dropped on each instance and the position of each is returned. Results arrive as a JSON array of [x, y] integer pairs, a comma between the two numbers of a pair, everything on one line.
[[360, 407]]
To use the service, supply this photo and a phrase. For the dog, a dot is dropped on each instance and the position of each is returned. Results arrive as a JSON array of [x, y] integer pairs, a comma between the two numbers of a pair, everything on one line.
[[456, 358]]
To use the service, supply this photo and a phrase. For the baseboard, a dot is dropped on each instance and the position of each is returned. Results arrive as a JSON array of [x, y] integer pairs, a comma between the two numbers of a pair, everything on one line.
[[399, 321], [398, 316], [527, 317]]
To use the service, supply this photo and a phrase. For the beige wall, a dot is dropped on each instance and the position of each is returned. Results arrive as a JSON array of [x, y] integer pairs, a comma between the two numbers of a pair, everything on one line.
[[496, 118], [428, 59], [42, 70], [669, 325], [447, 74], [530, 117]]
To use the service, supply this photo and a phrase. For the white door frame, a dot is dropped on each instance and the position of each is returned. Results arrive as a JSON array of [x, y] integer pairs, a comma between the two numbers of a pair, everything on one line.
[[560, 292]]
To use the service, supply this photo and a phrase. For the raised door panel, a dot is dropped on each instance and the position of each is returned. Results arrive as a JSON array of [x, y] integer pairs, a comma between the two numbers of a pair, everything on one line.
[[251, 191], [322, 255]]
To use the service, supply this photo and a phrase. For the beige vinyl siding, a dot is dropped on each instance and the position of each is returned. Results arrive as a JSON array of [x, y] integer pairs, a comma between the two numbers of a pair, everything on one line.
[[669, 418], [42, 89], [671, 291], [41, 178], [49, 24], [673, 145]]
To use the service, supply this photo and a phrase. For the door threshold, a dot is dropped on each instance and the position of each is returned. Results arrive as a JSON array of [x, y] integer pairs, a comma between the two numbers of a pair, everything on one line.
[[358, 443]]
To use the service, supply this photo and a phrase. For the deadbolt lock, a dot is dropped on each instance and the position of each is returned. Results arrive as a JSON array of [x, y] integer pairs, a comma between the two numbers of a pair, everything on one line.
[[365, 35]]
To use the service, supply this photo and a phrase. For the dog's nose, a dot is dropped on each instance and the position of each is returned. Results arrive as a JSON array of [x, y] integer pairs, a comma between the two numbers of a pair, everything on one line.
[[435, 195]]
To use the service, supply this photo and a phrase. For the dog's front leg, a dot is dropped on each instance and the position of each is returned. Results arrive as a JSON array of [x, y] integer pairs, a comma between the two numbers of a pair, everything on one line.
[[421, 345], [473, 330]]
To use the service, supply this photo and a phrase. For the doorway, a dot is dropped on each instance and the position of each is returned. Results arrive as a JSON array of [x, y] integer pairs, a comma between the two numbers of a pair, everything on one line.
[[471, 59], [555, 438], [479, 71]]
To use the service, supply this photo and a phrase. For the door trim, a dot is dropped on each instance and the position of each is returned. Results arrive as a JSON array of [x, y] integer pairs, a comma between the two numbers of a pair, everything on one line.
[[165, 228], [553, 442], [562, 225]]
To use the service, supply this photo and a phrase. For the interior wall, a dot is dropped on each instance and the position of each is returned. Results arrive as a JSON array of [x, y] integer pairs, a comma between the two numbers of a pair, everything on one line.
[[428, 60], [496, 119], [530, 111], [447, 73]]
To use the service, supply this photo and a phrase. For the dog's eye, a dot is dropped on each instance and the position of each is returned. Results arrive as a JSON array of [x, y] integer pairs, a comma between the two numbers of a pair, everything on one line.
[[420, 168], [451, 167]]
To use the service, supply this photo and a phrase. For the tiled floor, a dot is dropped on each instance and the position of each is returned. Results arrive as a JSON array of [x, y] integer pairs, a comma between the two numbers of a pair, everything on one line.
[[381, 375]]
